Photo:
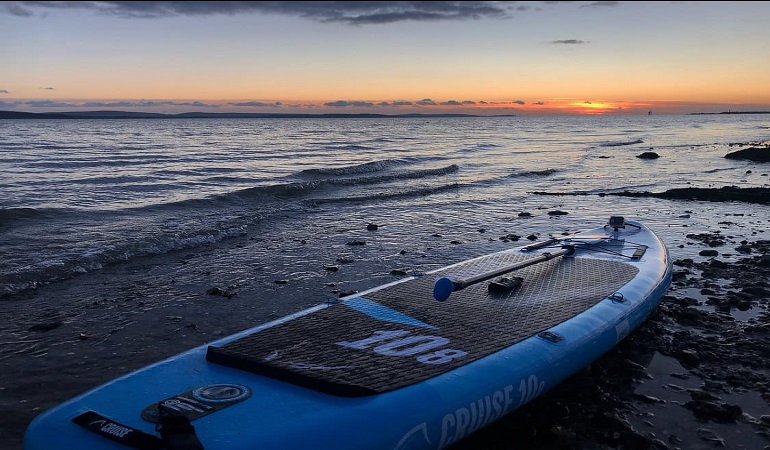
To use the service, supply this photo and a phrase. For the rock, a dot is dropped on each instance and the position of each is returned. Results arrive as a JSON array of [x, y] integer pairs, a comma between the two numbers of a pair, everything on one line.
[[688, 358], [743, 249], [648, 155], [709, 253], [716, 412], [757, 154], [759, 195], [372, 227], [228, 293], [46, 326], [557, 213], [356, 242]]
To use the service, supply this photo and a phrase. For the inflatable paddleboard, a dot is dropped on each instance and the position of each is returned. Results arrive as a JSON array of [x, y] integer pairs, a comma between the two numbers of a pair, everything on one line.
[[419, 363]]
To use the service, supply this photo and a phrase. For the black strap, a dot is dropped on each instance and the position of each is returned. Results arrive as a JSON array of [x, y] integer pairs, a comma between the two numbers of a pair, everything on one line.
[[118, 432], [176, 431]]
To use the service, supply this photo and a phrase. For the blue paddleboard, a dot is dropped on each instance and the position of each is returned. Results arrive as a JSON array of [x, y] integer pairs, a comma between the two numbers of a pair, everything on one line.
[[419, 363]]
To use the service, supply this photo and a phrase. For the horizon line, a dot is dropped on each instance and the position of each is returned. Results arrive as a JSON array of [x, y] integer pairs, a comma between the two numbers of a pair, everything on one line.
[[105, 114]]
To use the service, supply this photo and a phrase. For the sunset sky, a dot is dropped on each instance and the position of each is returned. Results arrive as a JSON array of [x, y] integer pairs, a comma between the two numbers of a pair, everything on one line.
[[524, 58]]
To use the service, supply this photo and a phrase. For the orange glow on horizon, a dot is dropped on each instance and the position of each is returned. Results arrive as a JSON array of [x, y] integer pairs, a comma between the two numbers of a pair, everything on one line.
[[522, 107]]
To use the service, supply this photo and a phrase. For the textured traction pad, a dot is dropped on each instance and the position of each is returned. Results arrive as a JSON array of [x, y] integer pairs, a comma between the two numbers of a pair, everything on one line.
[[400, 335]]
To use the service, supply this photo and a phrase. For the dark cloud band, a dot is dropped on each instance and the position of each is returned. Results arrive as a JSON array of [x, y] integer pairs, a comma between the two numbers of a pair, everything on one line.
[[351, 12]]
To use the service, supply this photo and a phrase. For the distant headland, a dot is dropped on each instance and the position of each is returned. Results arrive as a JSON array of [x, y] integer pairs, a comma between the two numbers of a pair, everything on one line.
[[207, 115], [731, 112]]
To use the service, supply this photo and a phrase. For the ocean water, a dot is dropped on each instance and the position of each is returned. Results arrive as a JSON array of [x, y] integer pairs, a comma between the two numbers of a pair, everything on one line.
[[78, 195], [113, 231]]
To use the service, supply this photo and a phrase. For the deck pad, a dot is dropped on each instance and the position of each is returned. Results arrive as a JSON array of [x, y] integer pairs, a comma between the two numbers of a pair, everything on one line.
[[400, 335]]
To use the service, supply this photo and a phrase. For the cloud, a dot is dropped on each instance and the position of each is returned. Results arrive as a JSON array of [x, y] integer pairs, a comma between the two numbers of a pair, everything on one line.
[[350, 12], [343, 104], [539, 103], [426, 102], [48, 104], [3, 91], [120, 104], [451, 103], [258, 104], [143, 103], [569, 42], [396, 103], [598, 4], [519, 102], [468, 102], [8, 104], [47, 88]]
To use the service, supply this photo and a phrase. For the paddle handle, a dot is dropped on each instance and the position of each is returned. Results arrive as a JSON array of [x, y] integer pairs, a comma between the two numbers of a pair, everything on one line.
[[445, 286]]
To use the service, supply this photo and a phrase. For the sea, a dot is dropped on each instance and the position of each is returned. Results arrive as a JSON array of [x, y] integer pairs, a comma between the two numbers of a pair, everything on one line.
[[126, 241]]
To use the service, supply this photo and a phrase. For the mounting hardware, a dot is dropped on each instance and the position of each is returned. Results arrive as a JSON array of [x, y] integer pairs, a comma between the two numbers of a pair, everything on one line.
[[617, 222]]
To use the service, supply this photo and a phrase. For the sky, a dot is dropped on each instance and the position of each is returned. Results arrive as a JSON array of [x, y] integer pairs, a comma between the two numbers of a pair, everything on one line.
[[474, 57]]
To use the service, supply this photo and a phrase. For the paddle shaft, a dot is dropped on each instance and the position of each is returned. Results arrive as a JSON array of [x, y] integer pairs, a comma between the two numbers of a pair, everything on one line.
[[462, 284]]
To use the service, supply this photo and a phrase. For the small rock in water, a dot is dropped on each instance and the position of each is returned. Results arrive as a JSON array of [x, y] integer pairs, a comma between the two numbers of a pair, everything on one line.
[[372, 227], [223, 292], [46, 326], [214, 291], [648, 155]]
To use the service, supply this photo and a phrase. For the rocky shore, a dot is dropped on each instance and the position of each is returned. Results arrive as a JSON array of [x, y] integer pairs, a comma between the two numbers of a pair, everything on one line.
[[695, 375]]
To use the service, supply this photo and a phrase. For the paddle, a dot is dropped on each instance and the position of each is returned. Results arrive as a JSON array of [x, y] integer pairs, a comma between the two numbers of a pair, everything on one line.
[[445, 286]]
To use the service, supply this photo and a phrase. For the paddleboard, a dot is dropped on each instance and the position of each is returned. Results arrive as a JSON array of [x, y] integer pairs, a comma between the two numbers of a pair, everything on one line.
[[419, 363]]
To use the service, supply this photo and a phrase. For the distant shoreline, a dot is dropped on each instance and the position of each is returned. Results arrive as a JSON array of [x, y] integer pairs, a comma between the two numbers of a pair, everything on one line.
[[205, 115], [731, 112]]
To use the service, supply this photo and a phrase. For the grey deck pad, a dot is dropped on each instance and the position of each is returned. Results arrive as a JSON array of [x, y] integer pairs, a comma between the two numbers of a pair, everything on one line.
[[401, 335]]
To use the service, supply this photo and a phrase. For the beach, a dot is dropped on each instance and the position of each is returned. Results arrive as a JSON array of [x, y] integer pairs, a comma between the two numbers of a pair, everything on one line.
[[160, 277]]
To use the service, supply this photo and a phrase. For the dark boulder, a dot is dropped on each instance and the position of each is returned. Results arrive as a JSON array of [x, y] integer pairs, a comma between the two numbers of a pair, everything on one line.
[[757, 154]]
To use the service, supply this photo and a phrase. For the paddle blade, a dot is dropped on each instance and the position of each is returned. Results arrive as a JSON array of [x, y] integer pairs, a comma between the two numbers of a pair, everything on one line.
[[443, 289]]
